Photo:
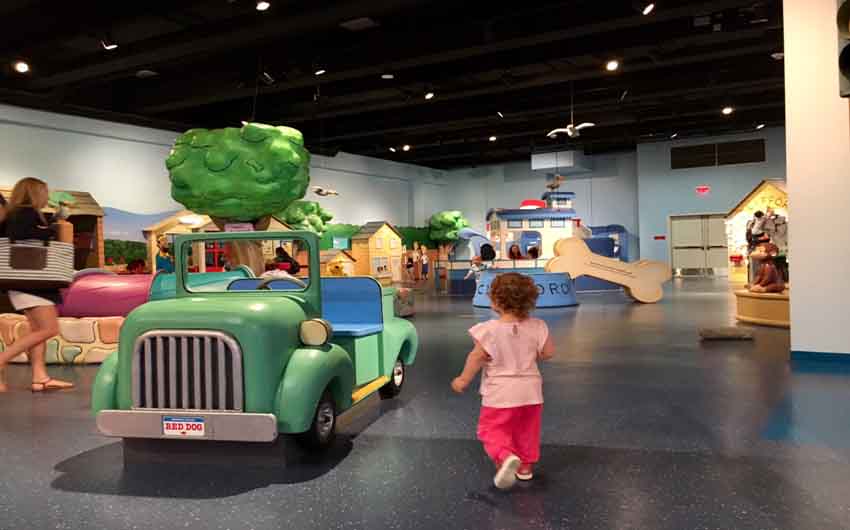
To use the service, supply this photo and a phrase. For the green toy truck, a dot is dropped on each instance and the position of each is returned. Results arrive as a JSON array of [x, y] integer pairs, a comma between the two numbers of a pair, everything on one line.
[[246, 358]]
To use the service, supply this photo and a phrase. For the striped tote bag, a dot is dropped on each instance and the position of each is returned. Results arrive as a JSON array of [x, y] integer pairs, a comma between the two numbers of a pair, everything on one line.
[[34, 264]]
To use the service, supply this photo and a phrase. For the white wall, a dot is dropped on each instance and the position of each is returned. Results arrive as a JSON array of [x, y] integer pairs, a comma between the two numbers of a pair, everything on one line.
[[818, 133], [664, 192], [606, 195], [123, 166]]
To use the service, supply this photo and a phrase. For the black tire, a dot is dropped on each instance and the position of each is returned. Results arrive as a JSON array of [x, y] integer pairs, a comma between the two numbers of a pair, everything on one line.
[[322, 430], [393, 388]]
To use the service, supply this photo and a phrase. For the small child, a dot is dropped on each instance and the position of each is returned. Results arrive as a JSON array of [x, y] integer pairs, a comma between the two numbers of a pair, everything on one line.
[[511, 385]]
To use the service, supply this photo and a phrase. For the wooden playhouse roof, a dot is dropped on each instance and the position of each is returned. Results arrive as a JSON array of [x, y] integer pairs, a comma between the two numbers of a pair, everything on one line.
[[369, 229], [173, 221], [84, 202], [326, 256], [777, 183]]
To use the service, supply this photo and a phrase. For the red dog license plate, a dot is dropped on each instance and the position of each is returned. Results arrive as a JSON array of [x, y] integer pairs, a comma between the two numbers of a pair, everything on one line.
[[183, 427]]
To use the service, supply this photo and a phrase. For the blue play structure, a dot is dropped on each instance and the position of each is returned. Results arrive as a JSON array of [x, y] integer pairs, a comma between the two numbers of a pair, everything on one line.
[[556, 289]]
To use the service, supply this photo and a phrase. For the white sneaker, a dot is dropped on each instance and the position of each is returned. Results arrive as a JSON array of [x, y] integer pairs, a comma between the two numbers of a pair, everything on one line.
[[506, 475]]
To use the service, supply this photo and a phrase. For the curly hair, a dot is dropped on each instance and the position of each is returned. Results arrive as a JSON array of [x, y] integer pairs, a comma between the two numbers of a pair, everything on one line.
[[514, 293]]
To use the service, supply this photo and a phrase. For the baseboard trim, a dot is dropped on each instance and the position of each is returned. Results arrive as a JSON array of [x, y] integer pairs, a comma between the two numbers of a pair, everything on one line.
[[842, 358]]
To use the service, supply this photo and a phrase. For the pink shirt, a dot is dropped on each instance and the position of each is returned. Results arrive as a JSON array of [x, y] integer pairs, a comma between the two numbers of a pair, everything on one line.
[[511, 378]]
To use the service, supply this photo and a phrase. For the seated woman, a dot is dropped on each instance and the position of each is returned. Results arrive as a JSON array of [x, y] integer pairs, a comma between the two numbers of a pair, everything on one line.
[[514, 252], [768, 278]]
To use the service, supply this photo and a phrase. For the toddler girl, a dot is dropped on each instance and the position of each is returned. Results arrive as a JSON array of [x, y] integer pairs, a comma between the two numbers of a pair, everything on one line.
[[511, 386]]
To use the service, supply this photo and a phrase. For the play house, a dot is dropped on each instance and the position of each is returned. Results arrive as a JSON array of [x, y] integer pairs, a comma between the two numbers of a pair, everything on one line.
[[377, 251], [336, 262], [187, 222], [536, 224], [770, 193]]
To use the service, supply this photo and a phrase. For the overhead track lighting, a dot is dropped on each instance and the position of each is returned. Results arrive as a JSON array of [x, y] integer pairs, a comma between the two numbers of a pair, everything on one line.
[[674, 136], [728, 110], [263, 6], [613, 65], [648, 8], [393, 149], [429, 95], [500, 114], [493, 138], [405, 148], [387, 76], [267, 79], [760, 126], [22, 67], [320, 71]]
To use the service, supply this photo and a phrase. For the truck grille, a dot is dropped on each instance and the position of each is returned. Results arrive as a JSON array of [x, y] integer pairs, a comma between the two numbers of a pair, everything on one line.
[[191, 370]]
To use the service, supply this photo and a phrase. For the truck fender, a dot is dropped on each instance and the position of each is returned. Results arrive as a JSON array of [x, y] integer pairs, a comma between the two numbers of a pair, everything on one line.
[[308, 373], [400, 342], [103, 395]]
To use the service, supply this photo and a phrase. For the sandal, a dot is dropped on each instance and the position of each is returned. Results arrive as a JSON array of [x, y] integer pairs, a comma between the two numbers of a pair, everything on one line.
[[50, 384]]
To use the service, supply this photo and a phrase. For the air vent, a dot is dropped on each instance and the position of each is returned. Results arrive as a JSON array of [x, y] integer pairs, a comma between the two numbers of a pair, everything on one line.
[[723, 154]]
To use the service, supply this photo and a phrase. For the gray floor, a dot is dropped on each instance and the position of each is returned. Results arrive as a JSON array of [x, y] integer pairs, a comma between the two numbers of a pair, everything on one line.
[[644, 427]]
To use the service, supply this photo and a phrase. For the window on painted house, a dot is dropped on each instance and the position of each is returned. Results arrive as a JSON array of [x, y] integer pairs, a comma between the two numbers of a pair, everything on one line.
[[515, 223], [535, 223], [558, 223], [379, 242]]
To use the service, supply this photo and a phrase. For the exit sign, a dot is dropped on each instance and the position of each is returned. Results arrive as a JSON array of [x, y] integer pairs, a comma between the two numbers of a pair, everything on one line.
[[702, 191]]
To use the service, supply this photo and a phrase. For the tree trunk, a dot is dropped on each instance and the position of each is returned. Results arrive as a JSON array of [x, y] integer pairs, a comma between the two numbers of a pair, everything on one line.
[[247, 252]]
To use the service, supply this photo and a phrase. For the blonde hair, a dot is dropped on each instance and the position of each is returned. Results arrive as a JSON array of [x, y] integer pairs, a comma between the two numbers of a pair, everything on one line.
[[29, 192]]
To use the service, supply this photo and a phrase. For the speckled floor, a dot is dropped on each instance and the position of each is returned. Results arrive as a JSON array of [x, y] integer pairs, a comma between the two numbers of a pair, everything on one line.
[[644, 427]]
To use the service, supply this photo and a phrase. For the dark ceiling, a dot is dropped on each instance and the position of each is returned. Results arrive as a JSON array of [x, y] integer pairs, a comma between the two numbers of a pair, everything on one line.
[[680, 65]]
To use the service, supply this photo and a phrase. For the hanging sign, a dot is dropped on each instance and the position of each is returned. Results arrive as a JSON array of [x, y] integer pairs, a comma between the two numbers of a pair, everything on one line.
[[238, 227], [703, 190]]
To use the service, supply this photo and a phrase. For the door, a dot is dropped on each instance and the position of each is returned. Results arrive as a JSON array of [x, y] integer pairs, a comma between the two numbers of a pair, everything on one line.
[[395, 265], [698, 244]]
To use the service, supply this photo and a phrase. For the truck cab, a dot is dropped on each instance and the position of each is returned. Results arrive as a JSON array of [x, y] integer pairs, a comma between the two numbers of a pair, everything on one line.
[[254, 354]]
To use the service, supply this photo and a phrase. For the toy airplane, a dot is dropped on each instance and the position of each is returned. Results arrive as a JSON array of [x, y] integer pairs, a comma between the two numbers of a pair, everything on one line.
[[571, 130], [324, 192]]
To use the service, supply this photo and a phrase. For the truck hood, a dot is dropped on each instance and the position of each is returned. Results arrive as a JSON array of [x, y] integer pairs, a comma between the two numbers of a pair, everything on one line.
[[265, 326]]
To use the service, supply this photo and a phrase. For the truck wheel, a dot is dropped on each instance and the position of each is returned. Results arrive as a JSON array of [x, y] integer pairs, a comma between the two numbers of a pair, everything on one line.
[[393, 388], [323, 428]]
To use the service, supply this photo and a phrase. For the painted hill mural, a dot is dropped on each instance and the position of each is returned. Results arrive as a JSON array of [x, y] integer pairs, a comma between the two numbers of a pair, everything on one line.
[[123, 239]]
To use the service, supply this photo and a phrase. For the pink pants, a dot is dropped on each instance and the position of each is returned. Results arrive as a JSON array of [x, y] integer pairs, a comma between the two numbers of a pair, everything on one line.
[[514, 430]]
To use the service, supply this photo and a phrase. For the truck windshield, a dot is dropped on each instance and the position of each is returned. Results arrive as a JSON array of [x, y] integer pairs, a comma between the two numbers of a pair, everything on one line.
[[239, 265]]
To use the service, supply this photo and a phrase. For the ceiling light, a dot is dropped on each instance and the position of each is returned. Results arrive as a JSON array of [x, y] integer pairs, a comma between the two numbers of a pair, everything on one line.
[[648, 8], [387, 76], [493, 138], [320, 71], [674, 136], [393, 149], [146, 74], [623, 95], [405, 148], [500, 114], [777, 56], [359, 24], [108, 44], [429, 95], [760, 126], [263, 6], [267, 79], [612, 65], [727, 110], [21, 67]]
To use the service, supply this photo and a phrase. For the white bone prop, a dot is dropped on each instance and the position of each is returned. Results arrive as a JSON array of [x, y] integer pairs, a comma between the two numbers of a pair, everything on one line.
[[642, 280]]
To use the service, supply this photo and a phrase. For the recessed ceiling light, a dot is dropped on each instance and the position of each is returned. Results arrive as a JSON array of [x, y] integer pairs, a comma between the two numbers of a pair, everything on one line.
[[648, 8], [612, 65], [393, 149], [405, 147], [500, 114], [429, 95], [146, 74], [263, 6], [21, 67], [493, 138], [387, 76], [727, 110], [320, 71], [674, 136], [760, 126]]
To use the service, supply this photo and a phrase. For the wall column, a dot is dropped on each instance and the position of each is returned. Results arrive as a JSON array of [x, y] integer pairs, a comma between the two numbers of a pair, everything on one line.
[[818, 173]]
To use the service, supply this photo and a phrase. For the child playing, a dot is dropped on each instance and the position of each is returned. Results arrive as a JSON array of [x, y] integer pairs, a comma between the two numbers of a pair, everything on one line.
[[511, 386]]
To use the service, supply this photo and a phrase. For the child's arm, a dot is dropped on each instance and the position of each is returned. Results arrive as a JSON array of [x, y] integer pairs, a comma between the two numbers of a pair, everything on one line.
[[476, 360], [548, 350]]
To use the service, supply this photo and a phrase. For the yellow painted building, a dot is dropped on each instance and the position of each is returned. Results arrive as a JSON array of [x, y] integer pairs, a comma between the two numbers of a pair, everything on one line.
[[377, 249], [337, 262]]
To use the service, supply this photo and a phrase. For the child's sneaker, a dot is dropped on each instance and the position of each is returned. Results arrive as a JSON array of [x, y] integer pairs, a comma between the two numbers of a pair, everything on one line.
[[525, 472], [506, 475]]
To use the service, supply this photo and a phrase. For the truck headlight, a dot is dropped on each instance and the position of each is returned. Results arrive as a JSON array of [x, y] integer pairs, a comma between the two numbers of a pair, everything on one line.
[[315, 332]]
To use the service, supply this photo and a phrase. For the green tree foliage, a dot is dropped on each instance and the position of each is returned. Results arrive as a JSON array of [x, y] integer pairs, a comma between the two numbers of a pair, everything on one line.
[[346, 231], [117, 251], [239, 174], [306, 215], [420, 234], [446, 224]]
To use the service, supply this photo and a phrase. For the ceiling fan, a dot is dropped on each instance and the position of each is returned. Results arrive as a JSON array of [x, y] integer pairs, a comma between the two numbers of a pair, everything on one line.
[[572, 130]]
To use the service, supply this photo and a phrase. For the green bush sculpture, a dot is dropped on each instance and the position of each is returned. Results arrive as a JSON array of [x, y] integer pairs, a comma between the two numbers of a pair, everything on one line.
[[307, 215], [445, 226], [239, 174]]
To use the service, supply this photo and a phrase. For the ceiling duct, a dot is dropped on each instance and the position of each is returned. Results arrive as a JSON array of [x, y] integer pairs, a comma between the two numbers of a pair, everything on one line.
[[564, 162]]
